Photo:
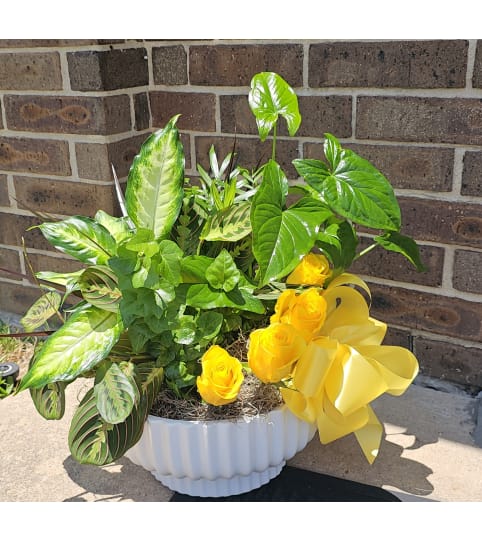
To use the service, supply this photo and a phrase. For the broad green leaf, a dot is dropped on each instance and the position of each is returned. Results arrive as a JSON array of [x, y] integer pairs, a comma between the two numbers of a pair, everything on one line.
[[49, 400], [208, 325], [79, 345], [114, 393], [184, 331], [41, 311], [352, 187], [154, 186], [170, 261], [222, 273], [339, 243], [332, 149], [98, 285], [95, 441], [405, 245], [270, 96], [117, 226], [281, 237], [194, 268], [81, 237], [229, 225], [202, 296]]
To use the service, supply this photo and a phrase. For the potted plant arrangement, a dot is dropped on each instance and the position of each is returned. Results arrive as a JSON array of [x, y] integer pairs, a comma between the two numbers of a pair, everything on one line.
[[216, 319]]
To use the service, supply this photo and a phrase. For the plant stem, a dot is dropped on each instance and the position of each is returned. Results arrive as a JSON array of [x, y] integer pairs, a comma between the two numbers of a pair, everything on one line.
[[273, 151], [365, 251]]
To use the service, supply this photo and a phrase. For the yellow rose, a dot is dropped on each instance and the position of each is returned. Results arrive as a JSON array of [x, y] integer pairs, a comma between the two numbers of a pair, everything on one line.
[[274, 351], [312, 270], [221, 376], [305, 311]]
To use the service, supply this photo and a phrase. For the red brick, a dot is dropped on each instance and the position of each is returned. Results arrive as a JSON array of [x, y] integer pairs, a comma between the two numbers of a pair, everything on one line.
[[448, 316], [454, 363], [472, 177], [445, 120], [42, 263], [17, 298], [4, 199], [72, 114], [141, 111], [477, 77], [394, 266], [197, 110], [169, 65], [10, 260], [402, 64], [467, 275], [250, 152], [34, 155], [442, 221], [13, 227], [18, 43], [67, 198], [398, 338], [30, 71], [108, 70], [320, 114], [235, 65]]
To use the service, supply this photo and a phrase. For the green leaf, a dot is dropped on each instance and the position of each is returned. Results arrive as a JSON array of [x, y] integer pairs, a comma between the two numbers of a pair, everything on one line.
[[194, 267], [405, 245], [98, 285], [270, 96], [353, 187], [113, 391], [117, 226], [208, 325], [202, 296], [69, 280], [229, 225], [93, 440], [170, 261], [339, 243], [184, 331], [41, 311], [49, 400], [281, 237], [81, 237], [78, 346], [222, 273], [154, 186]]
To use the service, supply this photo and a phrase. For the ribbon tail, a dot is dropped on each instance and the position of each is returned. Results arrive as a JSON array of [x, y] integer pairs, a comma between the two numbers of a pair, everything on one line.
[[369, 436]]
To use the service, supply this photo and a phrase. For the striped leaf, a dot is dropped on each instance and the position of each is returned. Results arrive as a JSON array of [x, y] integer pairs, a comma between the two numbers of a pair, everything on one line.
[[41, 311], [80, 344], [154, 186], [50, 400], [114, 393], [98, 285], [93, 440], [81, 237], [228, 225]]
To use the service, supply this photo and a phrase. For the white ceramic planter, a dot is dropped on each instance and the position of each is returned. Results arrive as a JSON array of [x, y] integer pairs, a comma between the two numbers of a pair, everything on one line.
[[220, 458]]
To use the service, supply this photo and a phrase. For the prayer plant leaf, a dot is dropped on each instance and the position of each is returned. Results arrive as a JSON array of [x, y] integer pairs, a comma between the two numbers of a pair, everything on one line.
[[98, 285], [97, 442], [82, 238], [78, 346], [352, 187], [49, 400], [282, 236], [229, 225], [41, 311], [154, 186], [270, 96]]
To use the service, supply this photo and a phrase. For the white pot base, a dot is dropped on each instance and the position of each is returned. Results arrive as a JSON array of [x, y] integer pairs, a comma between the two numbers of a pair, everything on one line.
[[220, 487]]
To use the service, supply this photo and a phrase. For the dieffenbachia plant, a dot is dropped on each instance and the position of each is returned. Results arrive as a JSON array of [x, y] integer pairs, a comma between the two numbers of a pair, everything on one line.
[[190, 265]]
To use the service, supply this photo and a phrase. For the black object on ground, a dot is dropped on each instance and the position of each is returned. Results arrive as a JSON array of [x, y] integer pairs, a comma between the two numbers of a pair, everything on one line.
[[294, 484], [9, 369]]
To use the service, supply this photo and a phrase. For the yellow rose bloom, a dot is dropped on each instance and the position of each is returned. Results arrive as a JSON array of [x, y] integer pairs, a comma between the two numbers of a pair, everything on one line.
[[221, 377], [273, 351], [313, 269], [305, 311]]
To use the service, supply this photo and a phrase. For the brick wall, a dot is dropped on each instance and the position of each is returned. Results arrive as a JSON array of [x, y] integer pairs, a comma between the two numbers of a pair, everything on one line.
[[414, 108]]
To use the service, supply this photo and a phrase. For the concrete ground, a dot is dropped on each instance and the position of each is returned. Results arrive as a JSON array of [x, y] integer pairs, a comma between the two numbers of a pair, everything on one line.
[[429, 454]]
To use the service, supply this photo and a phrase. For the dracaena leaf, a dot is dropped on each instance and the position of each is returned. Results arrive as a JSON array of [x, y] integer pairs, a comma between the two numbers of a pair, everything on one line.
[[82, 238], [270, 96], [154, 186], [78, 346]]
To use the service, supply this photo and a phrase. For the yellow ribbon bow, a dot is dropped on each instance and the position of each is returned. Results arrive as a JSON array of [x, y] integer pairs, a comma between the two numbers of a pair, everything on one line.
[[345, 367]]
